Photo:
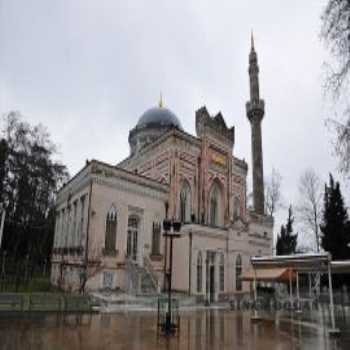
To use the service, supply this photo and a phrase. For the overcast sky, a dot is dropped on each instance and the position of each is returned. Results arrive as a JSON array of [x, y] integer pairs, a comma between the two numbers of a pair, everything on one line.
[[88, 70]]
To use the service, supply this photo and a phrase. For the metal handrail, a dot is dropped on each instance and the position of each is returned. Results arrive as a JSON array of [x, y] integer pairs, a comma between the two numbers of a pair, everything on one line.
[[150, 270]]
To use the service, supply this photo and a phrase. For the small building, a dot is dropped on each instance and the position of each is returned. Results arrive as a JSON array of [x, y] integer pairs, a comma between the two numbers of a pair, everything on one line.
[[109, 217]]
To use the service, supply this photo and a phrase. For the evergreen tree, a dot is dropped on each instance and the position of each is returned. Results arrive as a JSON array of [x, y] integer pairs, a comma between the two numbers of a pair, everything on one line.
[[335, 224], [29, 180], [287, 241]]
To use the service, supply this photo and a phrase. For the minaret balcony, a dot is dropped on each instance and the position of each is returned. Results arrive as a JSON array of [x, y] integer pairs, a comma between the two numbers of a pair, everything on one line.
[[255, 107]]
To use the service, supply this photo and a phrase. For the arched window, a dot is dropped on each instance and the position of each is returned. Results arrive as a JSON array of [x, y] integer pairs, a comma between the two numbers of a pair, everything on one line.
[[222, 272], [133, 227], [199, 272], [185, 202], [237, 208], [68, 228], [214, 205], [238, 272], [111, 231]]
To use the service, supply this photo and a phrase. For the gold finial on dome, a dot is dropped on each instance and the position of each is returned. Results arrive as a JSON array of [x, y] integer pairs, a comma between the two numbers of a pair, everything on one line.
[[161, 104]]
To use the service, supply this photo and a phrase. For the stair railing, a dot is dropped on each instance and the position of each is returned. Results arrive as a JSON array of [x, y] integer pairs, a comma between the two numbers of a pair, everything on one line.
[[133, 278], [150, 270]]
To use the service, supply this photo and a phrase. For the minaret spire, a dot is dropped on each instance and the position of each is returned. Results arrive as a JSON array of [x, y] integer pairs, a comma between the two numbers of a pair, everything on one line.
[[161, 104], [252, 41], [255, 113]]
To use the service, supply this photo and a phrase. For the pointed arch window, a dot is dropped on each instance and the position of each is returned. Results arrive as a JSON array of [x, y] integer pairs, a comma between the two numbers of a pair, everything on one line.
[[222, 272], [199, 272], [214, 205], [237, 208], [185, 202], [238, 273], [111, 232]]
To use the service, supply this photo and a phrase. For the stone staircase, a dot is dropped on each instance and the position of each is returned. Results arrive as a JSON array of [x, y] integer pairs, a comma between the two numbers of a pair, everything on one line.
[[141, 280], [141, 293]]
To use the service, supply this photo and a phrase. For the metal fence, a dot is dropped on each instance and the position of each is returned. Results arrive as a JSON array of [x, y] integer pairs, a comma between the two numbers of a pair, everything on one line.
[[272, 302]]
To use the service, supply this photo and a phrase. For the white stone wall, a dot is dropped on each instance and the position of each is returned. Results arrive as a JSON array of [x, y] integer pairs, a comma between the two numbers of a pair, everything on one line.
[[136, 196]]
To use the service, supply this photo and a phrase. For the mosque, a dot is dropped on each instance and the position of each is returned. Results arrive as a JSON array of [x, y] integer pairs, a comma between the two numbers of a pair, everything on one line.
[[109, 218]]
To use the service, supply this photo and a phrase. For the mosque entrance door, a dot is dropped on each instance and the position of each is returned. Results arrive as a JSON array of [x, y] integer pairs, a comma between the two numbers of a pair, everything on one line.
[[132, 239], [210, 277], [131, 248]]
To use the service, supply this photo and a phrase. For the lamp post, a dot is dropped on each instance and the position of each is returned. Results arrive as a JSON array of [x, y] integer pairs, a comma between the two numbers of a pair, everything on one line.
[[171, 230]]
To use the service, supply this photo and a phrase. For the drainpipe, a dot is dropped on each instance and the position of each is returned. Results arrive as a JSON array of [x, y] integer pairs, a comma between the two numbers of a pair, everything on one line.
[[165, 250]]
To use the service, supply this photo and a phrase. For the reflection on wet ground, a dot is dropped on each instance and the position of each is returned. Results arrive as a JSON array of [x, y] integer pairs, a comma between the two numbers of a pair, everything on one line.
[[205, 329]]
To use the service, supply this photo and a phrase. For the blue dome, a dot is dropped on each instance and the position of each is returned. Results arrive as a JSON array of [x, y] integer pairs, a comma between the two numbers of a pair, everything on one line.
[[158, 117]]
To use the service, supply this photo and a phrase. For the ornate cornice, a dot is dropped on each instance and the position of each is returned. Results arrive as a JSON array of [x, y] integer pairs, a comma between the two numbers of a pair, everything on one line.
[[109, 171], [216, 125], [172, 133], [70, 191], [259, 219], [103, 173], [131, 188]]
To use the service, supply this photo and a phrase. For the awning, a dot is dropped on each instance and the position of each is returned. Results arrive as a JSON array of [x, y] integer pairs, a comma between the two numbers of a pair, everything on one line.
[[269, 275], [302, 263], [297, 262], [340, 266]]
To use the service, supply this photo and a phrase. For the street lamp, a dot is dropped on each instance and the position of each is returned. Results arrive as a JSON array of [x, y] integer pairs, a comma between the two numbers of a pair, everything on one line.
[[171, 231]]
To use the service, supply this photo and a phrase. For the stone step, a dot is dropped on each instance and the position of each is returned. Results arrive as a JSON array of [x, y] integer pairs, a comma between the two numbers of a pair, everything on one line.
[[123, 302]]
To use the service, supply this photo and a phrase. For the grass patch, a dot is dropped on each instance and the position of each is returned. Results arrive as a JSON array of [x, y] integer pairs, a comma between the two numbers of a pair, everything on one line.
[[44, 302]]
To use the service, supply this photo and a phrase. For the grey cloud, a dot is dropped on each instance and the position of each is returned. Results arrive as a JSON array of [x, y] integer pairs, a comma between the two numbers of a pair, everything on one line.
[[88, 69]]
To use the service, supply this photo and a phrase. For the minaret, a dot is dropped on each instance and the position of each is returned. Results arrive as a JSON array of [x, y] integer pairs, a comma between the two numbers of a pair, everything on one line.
[[255, 113]]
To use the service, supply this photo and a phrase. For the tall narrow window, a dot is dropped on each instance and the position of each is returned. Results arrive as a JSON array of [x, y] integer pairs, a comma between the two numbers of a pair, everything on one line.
[[156, 238], [61, 239], [237, 208], [214, 205], [185, 202], [213, 210], [68, 229], [82, 215], [64, 233], [57, 227], [132, 239], [199, 272], [238, 273], [111, 231], [222, 272], [74, 226]]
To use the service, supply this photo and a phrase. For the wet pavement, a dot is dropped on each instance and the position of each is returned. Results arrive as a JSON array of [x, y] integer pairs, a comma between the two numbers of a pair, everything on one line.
[[203, 329]]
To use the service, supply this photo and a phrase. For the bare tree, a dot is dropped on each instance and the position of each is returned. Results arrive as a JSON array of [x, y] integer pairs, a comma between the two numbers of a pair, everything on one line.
[[273, 196], [310, 203], [336, 35], [341, 142]]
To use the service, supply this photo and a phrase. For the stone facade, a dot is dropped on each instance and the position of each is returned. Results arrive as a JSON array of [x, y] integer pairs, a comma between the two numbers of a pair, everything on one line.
[[109, 217]]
